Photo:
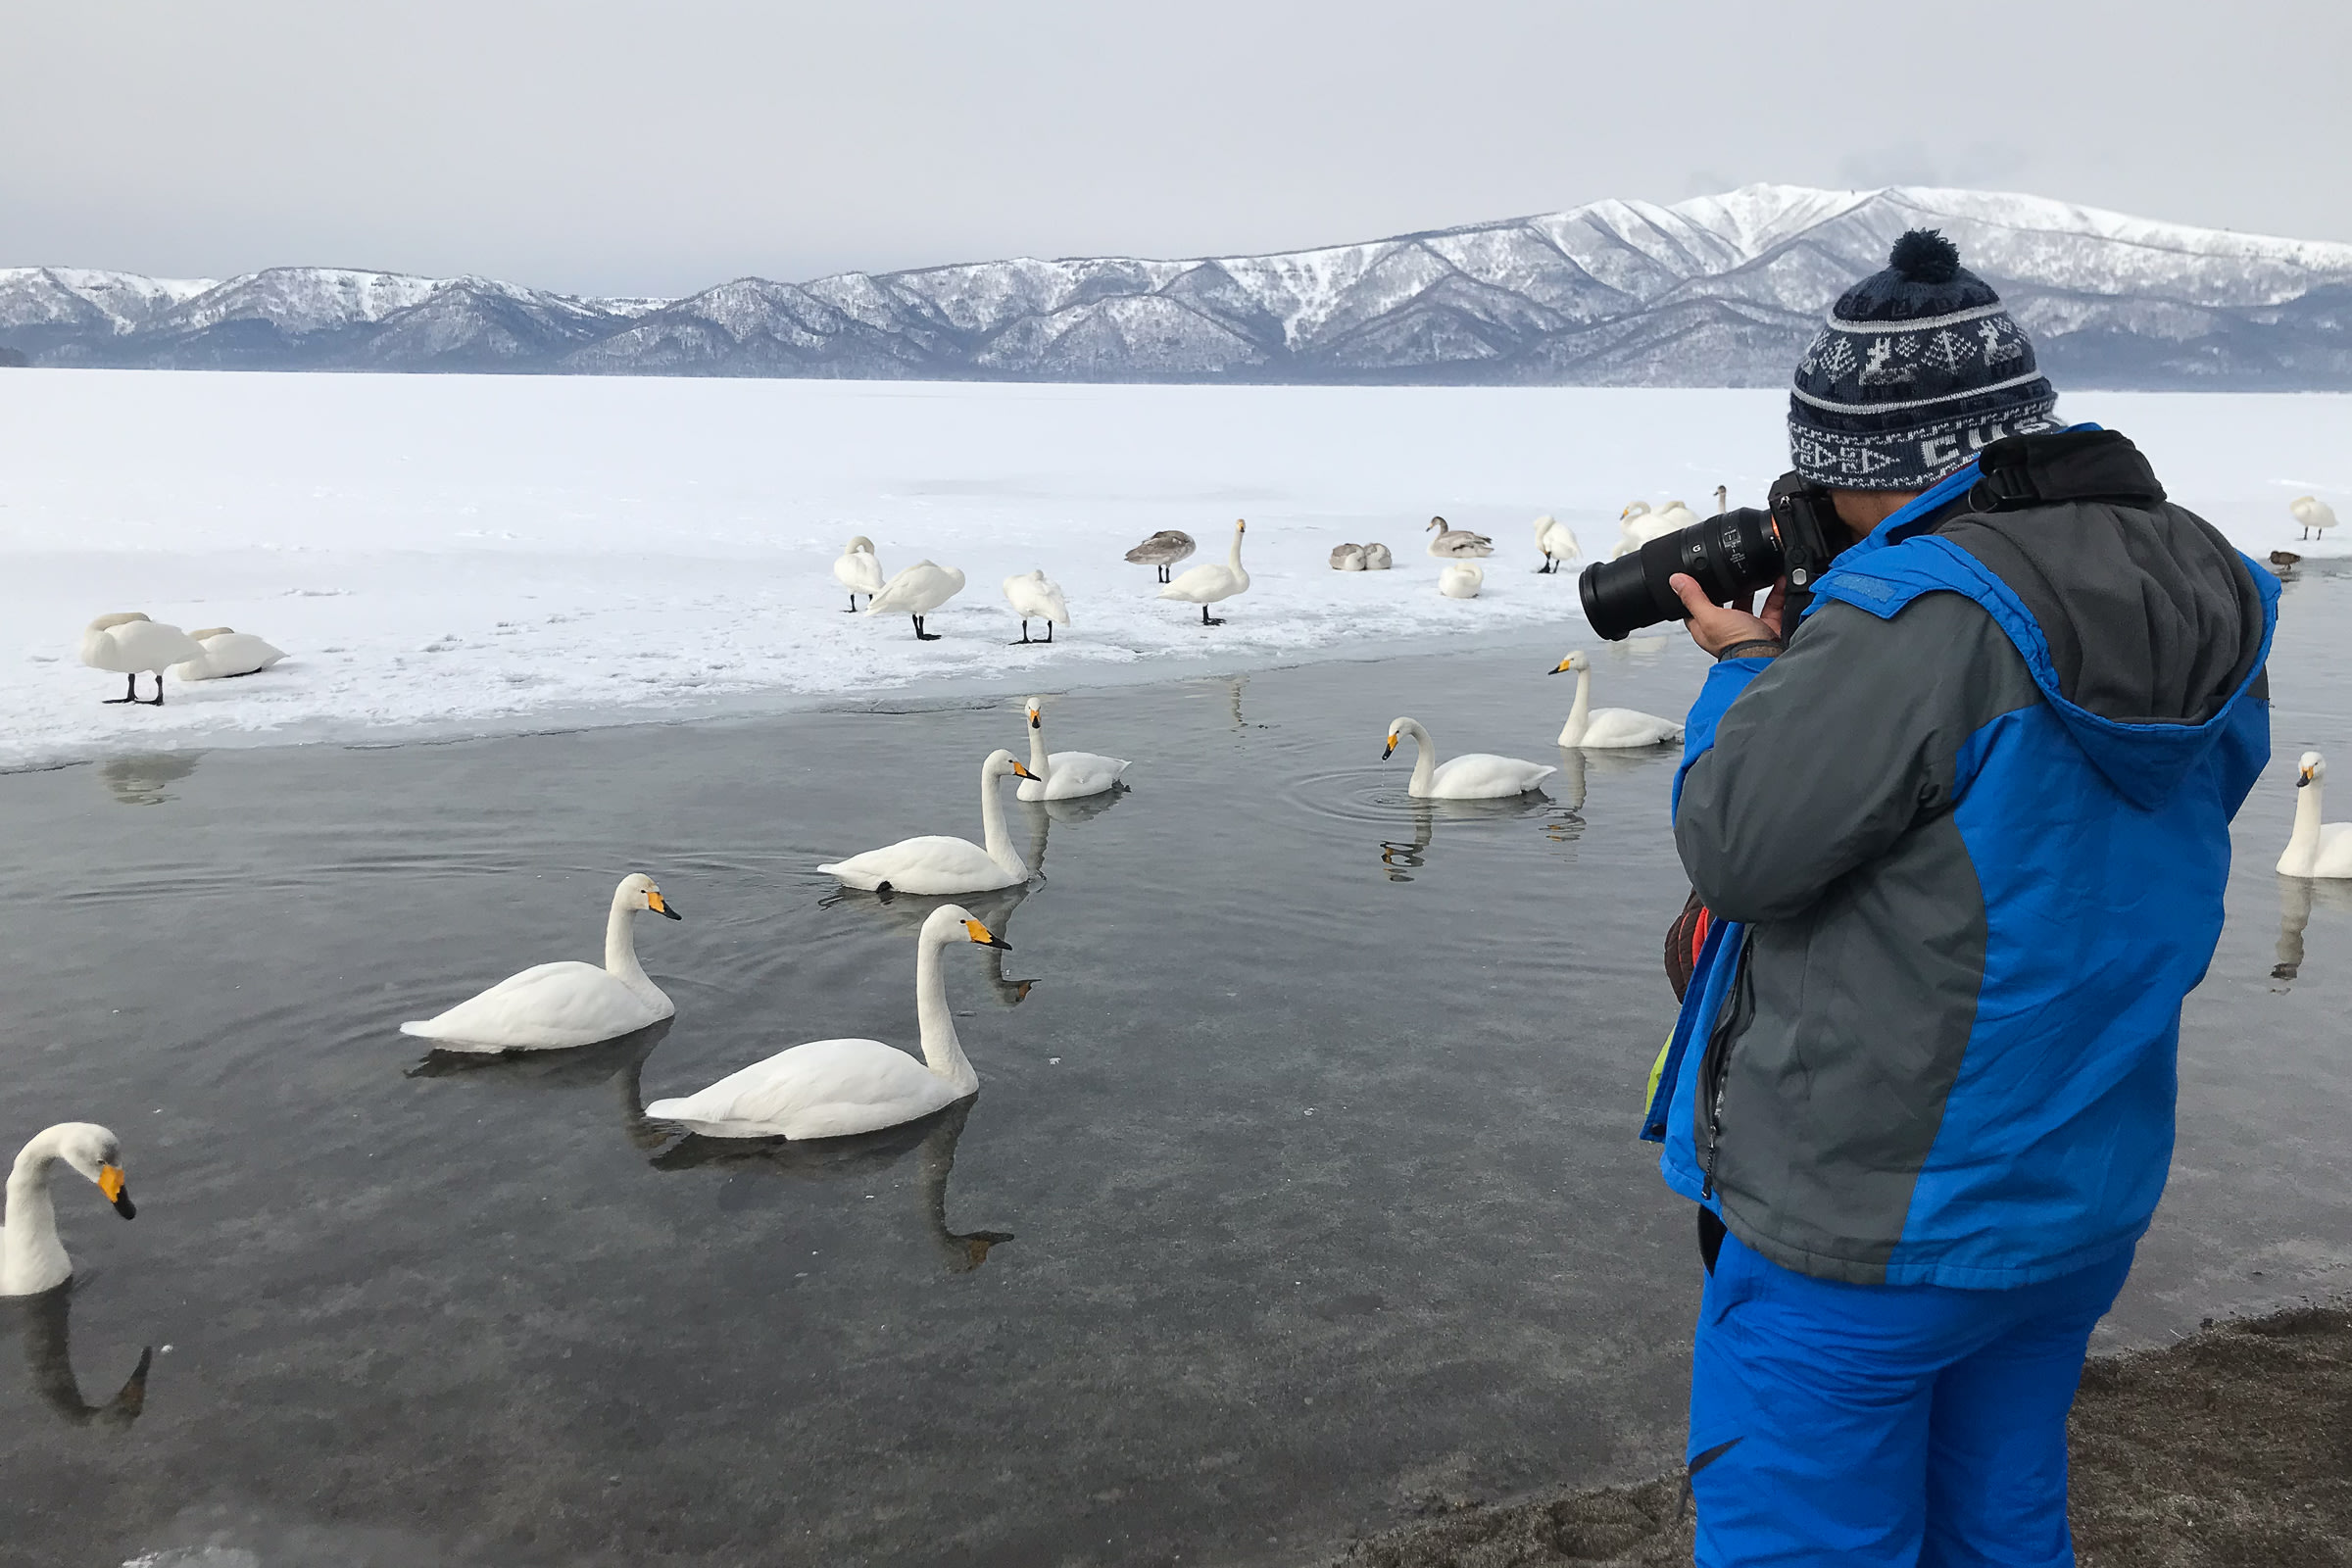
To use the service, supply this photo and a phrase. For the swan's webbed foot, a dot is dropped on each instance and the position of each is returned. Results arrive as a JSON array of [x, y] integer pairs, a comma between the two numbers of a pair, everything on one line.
[[1208, 619], [1024, 637], [130, 692], [922, 636]]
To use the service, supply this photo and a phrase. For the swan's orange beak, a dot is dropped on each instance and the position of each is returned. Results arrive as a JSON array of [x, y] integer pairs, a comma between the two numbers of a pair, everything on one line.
[[2302, 777], [117, 1190], [1035, 722], [985, 937], [1389, 750], [1561, 668], [655, 902], [1021, 769]]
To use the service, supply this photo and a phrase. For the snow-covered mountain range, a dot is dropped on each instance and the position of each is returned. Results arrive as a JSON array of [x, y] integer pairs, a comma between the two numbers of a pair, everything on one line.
[[1715, 291]]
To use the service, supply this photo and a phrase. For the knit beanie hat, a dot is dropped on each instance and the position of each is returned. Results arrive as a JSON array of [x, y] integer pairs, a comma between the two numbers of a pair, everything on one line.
[[1916, 370]]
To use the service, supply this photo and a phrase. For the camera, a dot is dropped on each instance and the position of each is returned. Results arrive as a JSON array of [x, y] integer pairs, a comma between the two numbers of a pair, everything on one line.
[[1731, 556]]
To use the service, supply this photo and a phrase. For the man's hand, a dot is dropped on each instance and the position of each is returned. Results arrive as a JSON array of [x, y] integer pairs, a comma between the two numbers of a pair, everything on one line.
[[1715, 628]]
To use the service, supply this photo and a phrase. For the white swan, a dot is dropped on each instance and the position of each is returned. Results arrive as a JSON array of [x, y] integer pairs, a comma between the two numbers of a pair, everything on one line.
[[2315, 515], [1034, 596], [859, 570], [2314, 848], [1209, 583], [1378, 559], [917, 591], [1472, 776], [552, 1006], [31, 1257], [1346, 557], [1462, 579], [836, 1088], [1457, 544], [1607, 728], [1064, 775], [1162, 550], [936, 864], [128, 644], [228, 653], [1556, 540], [1637, 526]]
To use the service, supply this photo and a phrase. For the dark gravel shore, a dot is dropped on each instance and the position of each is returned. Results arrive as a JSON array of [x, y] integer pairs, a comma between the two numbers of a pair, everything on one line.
[[2230, 1449]]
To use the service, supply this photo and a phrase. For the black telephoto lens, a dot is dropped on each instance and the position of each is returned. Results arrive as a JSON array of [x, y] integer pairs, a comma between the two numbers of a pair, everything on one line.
[[1730, 555]]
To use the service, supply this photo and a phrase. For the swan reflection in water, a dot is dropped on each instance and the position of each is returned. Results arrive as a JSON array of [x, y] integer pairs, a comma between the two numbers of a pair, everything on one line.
[[146, 780], [2297, 896], [1562, 820], [620, 1061], [49, 1358], [932, 1140]]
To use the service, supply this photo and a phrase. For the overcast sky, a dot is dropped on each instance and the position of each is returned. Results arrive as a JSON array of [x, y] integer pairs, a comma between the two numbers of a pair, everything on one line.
[[623, 147]]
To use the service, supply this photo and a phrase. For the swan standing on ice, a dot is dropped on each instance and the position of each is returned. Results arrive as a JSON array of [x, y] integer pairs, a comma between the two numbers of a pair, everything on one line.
[[1462, 579], [553, 1006], [1346, 557], [1557, 542], [2315, 515], [1162, 550], [936, 864], [1378, 559], [31, 1257], [2316, 847], [1211, 584], [859, 570], [1036, 597], [228, 653], [1457, 544], [128, 644], [1472, 776], [1064, 775], [836, 1088], [917, 591], [1607, 728]]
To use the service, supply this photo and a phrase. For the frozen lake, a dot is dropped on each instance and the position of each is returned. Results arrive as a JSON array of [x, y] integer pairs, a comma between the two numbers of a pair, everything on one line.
[[1313, 1137]]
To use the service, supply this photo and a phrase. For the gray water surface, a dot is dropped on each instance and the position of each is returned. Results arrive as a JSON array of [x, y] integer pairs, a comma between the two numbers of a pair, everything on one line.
[[1302, 1188]]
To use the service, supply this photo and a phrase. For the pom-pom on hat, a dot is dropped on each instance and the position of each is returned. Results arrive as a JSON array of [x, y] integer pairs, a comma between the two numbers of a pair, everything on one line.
[[1917, 369]]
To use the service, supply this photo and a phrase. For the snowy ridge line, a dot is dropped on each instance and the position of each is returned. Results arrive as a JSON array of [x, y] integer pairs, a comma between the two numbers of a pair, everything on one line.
[[1712, 291]]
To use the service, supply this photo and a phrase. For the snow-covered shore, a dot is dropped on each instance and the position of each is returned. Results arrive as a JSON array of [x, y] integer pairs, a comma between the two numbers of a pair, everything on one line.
[[482, 555]]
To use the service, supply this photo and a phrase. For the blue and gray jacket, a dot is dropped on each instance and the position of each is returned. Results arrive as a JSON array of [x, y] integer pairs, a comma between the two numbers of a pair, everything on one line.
[[1963, 843]]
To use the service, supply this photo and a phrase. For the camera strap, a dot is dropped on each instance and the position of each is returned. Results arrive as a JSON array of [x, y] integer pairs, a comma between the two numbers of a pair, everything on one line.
[[2028, 471]]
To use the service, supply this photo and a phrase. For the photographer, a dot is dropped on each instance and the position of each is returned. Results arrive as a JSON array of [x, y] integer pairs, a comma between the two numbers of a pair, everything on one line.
[[1961, 835]]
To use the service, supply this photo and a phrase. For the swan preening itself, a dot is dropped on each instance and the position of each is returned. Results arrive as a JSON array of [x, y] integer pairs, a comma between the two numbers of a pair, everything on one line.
[[917, 591], [1637, 526], [1162, 550], [1063, 776], [1034, 596], [1607, 728], [1472, 776], [228, 653], [1557, 540], [934, 864], [2315, 515], [552, 1006], [1209, 583], [2314, 848], [836, 1088], [130, 644], [1346, 557], [1462, 579], [859, 570], [31, 1257], [1457, 544]]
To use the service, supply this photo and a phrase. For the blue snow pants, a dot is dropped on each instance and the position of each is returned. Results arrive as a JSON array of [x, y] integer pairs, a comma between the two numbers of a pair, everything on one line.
[[1886, 1424]]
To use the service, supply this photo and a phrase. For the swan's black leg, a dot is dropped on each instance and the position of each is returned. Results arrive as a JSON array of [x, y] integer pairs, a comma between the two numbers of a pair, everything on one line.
[[158, 700], [1024, 633], [1208, 619], [922, 636], [130, 692], [1048, 630], [853, 610]]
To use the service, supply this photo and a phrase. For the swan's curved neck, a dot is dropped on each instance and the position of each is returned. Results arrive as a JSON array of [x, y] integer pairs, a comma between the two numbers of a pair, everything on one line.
[[1235, 559], [2306, 837], [1580, 711], [31, 1257], [621, 944], [1425, 757], [1039, 763], [943, 1052], [993, 837]]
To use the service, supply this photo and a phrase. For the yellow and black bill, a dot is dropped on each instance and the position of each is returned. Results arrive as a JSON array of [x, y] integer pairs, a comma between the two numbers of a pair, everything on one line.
[[655, 902], [1021, 770], [1389, 750], [117, 1190], [985, 937]]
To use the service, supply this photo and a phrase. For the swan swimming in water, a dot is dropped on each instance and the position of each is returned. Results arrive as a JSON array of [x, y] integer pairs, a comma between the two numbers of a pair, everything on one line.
[[2315, 849], [935, 864], [1471, 776], [555, 1007], [1456, 544], [1063, 776], [1211, 583], [130, 644], [1162, 550], [1034, 596], [228, 653], [917, 591], [1557, 540], [859, 570], [31, 1257], [1607, 728], [836, 1088]]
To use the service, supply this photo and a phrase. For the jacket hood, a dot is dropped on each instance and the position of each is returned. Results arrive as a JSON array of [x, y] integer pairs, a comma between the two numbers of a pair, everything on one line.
[[2142, 626]]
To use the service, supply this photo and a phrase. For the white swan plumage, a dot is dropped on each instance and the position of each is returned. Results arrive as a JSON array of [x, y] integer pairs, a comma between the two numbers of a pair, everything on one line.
[[1212, 583], [1556, 540], [33, 1259], [1063, 776], [934, 864], [839, 1088], [1462, 579], [859, 570], [917, 591], [1457, 544], [1637, 526], [1034, 596], [228, 653], [553, 1006], [2315, 849], [1471, 776], [2316, 515], [1607, 728], [128, 644], [1346, 557]]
